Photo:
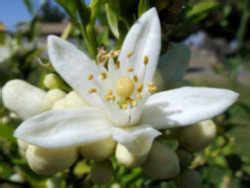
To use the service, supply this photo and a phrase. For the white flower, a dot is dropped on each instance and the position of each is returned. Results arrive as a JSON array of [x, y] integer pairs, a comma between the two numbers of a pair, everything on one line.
[[120, 102]]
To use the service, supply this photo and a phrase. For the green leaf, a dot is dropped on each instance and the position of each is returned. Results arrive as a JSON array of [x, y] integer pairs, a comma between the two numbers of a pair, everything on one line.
[[76, 9], [112, 17], [201, 7], [6, 131], [173, 64], [241, 136], [30, 7], [143, 6]]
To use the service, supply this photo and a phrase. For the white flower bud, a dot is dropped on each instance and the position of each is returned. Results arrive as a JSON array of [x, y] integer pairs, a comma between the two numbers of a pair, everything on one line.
[[17, 178], [197, 137], [99, 151], [101, 172], [22, 147], [49, 161], [115, 185], [23, 98], [51, 81], [162, 162], [71, 100], [53, 96], [126, 158], [190, 178]]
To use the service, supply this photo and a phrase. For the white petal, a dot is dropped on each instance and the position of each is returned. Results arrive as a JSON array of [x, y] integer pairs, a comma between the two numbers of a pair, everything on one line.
[[143, 39], [186, 105], [137, 140], [62, 128], [74, 66], [23, 98]]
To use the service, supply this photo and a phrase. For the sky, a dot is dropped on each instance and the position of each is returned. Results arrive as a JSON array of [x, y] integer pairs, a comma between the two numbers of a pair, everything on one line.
[[14, 11]]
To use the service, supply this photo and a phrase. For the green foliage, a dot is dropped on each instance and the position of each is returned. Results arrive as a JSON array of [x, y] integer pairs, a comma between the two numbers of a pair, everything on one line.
[[173, 64]]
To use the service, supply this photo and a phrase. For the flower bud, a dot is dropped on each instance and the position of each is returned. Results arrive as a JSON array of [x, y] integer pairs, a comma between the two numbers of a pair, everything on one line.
[[53, 96], [17, 178], [99, 150], [49, 161], [190, 178], [22, 147], [102, 172], [71, 100], [126, 158], [198, 136], [51, 81], [162, 162], [23, 98]]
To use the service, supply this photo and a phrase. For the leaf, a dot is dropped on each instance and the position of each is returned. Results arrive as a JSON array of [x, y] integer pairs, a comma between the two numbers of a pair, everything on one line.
[[241, 136], [6, 132], [77, 10], [112, 17], [173, 64], [143, 6], [30, 7], [201, 7]]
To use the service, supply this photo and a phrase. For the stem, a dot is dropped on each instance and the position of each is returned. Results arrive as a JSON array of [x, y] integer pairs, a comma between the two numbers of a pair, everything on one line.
[[66, 31], [243, 23]]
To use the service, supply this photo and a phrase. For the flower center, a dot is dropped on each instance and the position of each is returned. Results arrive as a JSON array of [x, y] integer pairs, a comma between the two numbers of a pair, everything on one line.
[[124, 87]]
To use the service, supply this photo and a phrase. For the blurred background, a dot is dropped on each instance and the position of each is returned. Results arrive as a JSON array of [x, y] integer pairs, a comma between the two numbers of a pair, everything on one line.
[[205, 43]]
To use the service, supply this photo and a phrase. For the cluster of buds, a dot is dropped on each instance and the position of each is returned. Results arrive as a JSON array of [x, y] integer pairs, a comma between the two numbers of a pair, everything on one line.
[[162, 162]]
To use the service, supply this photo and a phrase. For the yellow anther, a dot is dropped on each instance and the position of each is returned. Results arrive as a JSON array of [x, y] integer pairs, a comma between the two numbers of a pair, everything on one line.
[[124, 87], [135, 78], [129, 54], [114, 53], [90, 77], [103, 75], [117, 64], [140, 87], [130, 69], [110, 92], [109, 97], [92, 90], [124, 106], [152, 87], [133, 102], [145, 60], [102, 56]]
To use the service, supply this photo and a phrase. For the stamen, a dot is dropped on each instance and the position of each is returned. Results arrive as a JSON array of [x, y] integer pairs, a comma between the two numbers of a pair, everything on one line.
[[90, 77], [133, 102], [129, 54], [145, 60], [103, 75], [152, 88], [124, 106], [114, 53], [130, 69], [92, 90], [135, 78], [109, 96], [102, 56], [117, 64], [140, 87]]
